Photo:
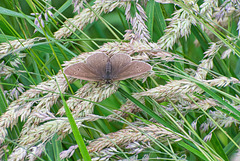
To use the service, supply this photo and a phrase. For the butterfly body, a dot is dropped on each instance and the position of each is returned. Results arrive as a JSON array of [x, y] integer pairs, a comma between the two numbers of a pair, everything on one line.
[[108, 75], [100, 67]]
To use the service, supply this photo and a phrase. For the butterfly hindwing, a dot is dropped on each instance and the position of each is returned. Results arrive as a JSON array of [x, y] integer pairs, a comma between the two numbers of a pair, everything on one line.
[[119, 61], [135, 68]]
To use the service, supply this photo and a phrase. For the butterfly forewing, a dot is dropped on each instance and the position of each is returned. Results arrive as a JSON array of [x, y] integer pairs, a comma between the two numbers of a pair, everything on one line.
[[119, 61], [135, 68], [82, 71], [97, 63]]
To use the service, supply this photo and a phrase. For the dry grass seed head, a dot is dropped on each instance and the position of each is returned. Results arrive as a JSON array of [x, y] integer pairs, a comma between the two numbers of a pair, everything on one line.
[[87, 16], [129, 135]]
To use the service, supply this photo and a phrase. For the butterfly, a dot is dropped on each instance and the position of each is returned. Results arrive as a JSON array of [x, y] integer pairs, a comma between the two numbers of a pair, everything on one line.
[[101, 67]]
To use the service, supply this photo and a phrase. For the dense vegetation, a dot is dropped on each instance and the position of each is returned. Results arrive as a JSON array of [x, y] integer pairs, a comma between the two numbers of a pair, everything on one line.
[[186, 108]]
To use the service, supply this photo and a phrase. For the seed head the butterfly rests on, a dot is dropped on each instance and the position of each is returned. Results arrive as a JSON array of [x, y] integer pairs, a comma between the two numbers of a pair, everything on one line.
[[100, 67]]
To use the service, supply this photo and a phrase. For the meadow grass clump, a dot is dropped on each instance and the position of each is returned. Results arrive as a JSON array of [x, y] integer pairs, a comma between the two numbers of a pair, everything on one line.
[[186, 108]]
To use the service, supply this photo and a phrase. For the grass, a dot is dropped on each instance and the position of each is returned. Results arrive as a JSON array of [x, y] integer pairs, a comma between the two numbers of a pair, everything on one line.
[[186, 108]]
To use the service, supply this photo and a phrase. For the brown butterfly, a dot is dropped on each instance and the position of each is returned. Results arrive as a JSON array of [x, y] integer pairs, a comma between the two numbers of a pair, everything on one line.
[[100, 67]]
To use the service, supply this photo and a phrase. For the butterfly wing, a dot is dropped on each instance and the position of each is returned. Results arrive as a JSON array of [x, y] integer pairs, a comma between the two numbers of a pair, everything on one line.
[[135, 68], [119, 62], [97, 63], [82, 71]]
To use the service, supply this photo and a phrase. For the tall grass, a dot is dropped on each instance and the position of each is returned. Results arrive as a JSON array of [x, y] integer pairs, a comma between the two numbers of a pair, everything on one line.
[[187, 108]]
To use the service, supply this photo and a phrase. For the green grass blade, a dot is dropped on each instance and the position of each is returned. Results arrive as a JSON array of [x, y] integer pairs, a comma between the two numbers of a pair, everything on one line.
[[218, 147], [147, 110], [220, 100], [3, 102], [76, 133], [4, 11], [192, 149], [150, 15]]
